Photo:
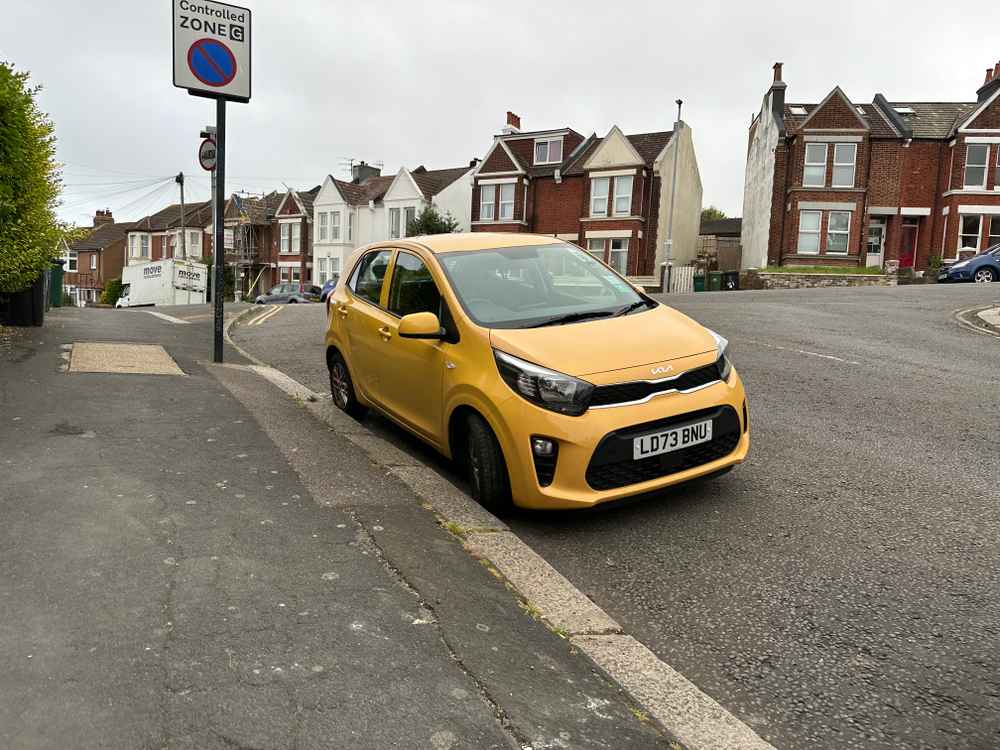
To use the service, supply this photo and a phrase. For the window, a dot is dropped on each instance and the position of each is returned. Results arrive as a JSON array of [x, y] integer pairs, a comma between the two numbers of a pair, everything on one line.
[[599, 196], [321, 269], [623, 195], [976, 157], [507, 200], [548, 152], [394, 223], [350, 226], [194, 244], [844, 157], [814, 174], [286, 233], [487, 199], [410, 215], [994, 239], [283, 274], [369, 275], [335, 225], [71, 261], [412, 289], [809, 232], [296, 277], [93, 261], [322, 226], [335, 265], [838, 230], [291, 234], [996, 175], [972, 227], [296, 237], [144, 245], [795, 110], [596, 248], [618, 258]]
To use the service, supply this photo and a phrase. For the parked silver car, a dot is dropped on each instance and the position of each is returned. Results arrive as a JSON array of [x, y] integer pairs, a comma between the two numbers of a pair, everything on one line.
[[289, 293]]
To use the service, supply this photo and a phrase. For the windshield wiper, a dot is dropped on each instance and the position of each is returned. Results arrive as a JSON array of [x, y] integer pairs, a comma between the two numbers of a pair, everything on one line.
[[629, 308], [571, 318]]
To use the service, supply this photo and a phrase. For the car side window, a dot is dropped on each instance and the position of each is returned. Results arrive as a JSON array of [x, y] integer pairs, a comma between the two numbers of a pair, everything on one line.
[[412, 289], [370, 273]]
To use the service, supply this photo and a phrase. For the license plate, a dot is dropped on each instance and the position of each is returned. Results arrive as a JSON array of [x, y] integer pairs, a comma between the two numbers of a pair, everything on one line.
[[674, 439]]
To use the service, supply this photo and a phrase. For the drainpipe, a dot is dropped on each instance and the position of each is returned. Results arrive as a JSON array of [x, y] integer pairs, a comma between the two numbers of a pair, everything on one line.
[[673, 196]]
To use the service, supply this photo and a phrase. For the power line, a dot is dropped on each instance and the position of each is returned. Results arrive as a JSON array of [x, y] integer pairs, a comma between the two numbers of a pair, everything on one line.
[[104, 196]]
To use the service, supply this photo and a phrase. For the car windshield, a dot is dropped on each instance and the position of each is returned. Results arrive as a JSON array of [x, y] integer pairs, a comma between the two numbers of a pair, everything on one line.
[[537, 285]]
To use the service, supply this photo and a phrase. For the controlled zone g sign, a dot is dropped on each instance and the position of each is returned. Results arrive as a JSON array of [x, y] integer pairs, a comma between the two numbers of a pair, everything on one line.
[[212, 49]]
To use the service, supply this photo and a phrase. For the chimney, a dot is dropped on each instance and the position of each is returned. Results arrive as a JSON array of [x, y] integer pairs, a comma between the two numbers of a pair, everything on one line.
[[777, 95], [991, 84], [362, 171], [777, 72], [513, 124], [103, 217]]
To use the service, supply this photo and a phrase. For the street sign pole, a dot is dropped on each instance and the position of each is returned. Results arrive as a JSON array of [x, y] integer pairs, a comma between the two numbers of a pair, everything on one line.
[[219, 241]]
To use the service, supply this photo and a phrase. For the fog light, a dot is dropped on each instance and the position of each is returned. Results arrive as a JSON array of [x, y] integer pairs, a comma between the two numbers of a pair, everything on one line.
[[542, 447]]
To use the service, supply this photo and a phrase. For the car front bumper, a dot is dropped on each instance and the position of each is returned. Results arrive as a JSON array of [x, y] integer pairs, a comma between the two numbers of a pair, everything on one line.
[[586, 476]]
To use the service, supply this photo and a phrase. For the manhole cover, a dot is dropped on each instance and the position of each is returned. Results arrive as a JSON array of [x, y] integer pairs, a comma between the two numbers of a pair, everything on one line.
[[137, 359]]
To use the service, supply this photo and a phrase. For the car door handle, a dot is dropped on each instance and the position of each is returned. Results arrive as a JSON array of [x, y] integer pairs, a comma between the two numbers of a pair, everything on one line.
[[385, 333], [342, 310]]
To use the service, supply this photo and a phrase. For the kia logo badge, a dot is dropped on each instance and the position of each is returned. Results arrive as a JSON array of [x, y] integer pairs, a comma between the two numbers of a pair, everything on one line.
[[661, 370]]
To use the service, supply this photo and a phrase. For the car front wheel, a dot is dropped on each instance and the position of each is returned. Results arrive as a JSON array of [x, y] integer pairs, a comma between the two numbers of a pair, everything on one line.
[[984, 276], [342, 387], [486, 467]]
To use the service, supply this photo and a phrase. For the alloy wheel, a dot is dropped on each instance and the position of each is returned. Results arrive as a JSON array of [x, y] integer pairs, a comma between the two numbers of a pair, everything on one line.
[[984, 276], [338, 375], [474, 475]]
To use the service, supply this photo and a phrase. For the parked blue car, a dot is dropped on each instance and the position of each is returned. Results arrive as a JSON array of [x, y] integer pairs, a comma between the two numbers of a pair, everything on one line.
[[983, 268], [328, 287]]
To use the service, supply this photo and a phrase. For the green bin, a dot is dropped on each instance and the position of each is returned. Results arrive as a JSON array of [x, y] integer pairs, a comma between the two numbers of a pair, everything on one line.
[[699, 283], [715, 281]]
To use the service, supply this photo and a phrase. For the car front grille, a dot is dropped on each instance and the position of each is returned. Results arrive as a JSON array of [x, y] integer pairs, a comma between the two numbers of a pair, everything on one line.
[[612, 465], [640, 390]]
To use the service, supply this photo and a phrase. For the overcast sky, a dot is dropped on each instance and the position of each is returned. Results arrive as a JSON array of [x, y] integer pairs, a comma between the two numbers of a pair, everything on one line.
[[429, 82]]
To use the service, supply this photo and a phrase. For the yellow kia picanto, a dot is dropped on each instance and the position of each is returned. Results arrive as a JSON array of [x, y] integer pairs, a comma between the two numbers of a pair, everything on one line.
[[551, 379]]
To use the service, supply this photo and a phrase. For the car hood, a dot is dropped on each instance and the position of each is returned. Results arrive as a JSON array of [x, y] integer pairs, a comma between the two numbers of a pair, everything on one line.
[[606, 344]]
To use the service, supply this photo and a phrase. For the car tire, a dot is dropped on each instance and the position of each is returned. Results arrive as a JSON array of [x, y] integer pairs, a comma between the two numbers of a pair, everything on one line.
[[342, 387], [292, 301], [985, 276], [259, 302], [487, 470]]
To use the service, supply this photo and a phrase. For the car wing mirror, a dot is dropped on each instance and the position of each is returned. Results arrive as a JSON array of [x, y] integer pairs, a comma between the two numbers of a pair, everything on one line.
[[421, 325]]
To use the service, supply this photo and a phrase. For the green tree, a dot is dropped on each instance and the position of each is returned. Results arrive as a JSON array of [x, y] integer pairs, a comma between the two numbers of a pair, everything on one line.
[[712, 214], [29, 183], [430, 221], [72, 233], [112, 291]]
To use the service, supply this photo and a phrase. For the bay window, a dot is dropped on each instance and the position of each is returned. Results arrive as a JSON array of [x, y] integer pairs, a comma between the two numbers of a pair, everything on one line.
[[618, 256], [507, 200], [844, 158], [144, 245], [814, 173], [623, 195], [838, 230], [599, 196], [410, 215], [809, 232], [286, 233], [335, 226], [291, 235], [322, 226], [321, 270], [596, 248], [976, 157], [971, 230], [487, 201]]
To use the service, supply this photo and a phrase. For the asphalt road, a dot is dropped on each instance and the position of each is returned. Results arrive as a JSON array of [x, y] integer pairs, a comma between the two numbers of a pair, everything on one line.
[[841, 589]]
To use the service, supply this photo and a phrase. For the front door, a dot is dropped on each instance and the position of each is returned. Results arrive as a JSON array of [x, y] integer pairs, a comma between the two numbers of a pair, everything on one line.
[[366, 322], [908, 243], [413, 378], [876, 244]]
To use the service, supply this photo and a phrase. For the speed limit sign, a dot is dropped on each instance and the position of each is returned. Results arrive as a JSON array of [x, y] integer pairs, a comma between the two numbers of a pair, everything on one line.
[[207, 154]]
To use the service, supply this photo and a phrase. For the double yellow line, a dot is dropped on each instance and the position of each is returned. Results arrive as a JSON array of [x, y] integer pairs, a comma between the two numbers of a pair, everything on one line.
[[265, 316]]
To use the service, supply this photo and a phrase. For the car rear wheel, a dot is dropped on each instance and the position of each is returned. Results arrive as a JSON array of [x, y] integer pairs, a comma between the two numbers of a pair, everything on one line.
[[342, 388], [984, 276], [486, 467]]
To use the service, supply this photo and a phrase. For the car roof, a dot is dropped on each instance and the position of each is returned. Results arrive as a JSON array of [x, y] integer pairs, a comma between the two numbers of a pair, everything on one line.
[[466, 241]]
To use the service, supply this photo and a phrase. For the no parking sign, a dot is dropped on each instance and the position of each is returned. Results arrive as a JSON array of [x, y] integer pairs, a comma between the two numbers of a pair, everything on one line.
[[212, 49]]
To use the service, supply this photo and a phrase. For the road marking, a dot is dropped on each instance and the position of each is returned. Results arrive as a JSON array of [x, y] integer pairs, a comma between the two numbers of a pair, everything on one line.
[[267, 315], [802, 351], [168, 318], [669, 698]]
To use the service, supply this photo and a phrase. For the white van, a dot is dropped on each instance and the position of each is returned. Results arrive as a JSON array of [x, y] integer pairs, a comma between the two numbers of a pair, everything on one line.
[[163, 282]]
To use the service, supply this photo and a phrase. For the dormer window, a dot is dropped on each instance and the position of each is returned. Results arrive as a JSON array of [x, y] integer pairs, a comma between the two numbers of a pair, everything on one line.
[[798, 111], [548, 151]]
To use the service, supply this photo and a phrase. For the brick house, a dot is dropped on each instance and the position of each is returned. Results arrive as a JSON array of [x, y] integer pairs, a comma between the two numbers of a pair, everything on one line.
[[840, 183], [609, 195], [291, 237], [91, 262], [161, 235]]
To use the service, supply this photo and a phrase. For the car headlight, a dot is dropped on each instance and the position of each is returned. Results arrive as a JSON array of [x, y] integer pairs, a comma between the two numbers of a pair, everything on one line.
[[961, 264], [722, 360], [547, 388]]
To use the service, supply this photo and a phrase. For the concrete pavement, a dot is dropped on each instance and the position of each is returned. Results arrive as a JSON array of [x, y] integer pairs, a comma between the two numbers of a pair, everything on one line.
[[836, 591], [191, 561]]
